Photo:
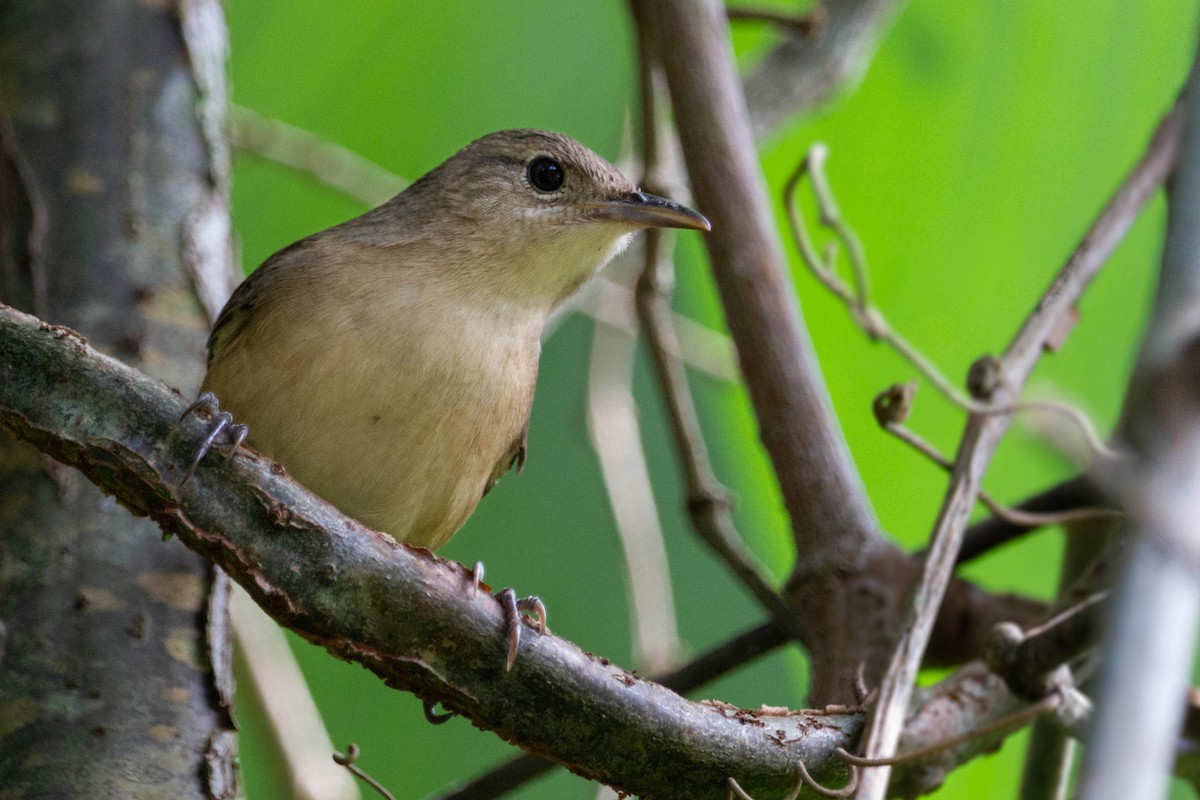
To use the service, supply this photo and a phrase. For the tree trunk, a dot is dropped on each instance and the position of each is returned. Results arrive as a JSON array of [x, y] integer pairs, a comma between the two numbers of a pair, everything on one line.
[[114, 673]]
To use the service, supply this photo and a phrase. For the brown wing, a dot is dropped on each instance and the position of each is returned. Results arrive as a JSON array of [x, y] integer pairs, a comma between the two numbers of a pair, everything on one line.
[[514, 456], [249, 297]]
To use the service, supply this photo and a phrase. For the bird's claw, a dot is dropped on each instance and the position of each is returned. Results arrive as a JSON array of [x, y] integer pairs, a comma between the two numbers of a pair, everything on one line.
[[222, 422], [432, 715], [476, 578], [512, 616]]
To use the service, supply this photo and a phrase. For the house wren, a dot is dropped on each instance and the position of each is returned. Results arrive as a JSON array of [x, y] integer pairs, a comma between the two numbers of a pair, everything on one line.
[[389, 362]]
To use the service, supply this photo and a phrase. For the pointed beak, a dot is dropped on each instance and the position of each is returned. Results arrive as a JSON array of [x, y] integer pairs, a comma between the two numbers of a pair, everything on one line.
[[648, 211]]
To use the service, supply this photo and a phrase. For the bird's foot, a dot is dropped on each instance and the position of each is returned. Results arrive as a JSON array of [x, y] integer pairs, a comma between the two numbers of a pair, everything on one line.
[[512, 615], [512, 612], [222, 423], [434, 716]]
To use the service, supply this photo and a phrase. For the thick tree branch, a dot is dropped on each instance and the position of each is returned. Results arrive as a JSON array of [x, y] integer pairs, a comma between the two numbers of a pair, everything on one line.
[[500, 780], [847, 579], [832, 522], [402, 612], [406, 614]]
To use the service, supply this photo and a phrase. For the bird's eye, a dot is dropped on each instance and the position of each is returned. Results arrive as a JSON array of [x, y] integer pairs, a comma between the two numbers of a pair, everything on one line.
[[546, 174]]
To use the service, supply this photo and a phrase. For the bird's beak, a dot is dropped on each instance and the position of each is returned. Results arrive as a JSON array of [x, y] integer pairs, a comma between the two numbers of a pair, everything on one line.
[[649, 211]]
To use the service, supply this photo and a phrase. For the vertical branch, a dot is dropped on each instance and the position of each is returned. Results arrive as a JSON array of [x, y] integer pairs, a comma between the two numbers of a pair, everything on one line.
[[832, 522], [709, 503], [616, 438], [805, 71], [1151, 647]]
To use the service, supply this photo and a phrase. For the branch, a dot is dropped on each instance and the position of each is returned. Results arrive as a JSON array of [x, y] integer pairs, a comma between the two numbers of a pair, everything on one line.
[[983, 434], [993, 532], [402, 612], [500, 780], [845, 573], [803, 24], [832, 521], [1151, 646], [405, 614], [615, 436], [710, 504], [803, 72]]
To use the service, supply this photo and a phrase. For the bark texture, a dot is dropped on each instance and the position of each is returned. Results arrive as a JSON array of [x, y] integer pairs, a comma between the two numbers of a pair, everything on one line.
[[114, 667]]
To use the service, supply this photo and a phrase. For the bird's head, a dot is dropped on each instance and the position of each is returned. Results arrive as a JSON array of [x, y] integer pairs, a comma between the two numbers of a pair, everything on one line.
[[535, 213]]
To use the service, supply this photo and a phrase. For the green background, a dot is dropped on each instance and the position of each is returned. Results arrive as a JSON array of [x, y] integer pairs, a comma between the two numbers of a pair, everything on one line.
[[980, 144]]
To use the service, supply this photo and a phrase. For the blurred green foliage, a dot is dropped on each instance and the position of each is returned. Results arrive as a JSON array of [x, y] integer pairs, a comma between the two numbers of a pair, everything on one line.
[[981, 143]]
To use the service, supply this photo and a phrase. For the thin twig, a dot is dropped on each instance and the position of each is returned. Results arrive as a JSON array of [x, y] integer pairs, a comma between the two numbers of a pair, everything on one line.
[[807, 24], [1008, 722], [871, 319], [983, 434], [286, 700], [335, 166], [347, 760], [709, 503], [615, 436], [832, 522], [803, 779], [988, 534], [891, 407]]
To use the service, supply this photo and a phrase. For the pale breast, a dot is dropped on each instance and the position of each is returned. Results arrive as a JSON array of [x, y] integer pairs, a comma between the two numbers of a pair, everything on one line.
[[397, 415]]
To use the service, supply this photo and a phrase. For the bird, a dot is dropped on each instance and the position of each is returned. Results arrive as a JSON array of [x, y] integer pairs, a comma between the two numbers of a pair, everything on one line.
[[389, 362]]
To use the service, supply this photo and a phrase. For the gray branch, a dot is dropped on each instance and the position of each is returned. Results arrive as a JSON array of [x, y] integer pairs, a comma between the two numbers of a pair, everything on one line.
[[1151, 646], [805, 71]]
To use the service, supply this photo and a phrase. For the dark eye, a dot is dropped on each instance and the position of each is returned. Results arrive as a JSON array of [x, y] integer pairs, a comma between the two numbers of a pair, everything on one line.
[[546, 174]]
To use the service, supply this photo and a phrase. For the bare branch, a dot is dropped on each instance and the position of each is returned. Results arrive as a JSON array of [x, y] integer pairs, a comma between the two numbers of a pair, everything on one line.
[[709, 503], [832, 522], [803, 72], [983, 434], [337, 167], [387, 606], [500, 780], [616, 438], [807, 24], [1048, 760], [1151, 645], [891, 408], [986, 535], [872, 320]]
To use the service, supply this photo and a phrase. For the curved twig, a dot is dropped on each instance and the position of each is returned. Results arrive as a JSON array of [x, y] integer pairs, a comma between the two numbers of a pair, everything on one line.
[[347, 760], [871, 319]]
